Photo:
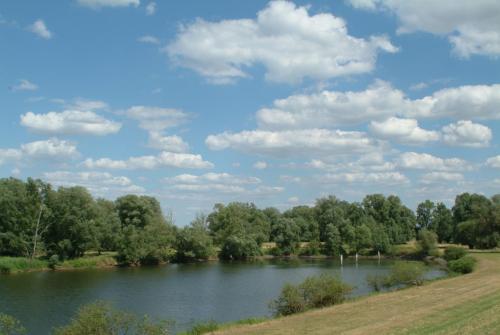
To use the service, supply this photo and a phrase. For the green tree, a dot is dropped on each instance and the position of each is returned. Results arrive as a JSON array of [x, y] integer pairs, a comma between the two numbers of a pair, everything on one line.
[[333, 241], [443, 222], [286, 234], [427, 240], [194, 242], [239, 247], [424, 215], [363, 238]]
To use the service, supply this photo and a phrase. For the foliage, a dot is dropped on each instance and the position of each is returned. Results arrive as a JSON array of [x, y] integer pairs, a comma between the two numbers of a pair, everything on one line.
[[427, 242], [312, 248], [453, 253], [16, 264], [424, 215], [406, 273], [239, 247], [194, 242], [10, 326], [463, 265], [101, 319], [286, 234], [314, 292]]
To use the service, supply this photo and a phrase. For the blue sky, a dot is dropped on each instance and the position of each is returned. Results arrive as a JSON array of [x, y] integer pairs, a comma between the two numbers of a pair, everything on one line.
[[278, 103]]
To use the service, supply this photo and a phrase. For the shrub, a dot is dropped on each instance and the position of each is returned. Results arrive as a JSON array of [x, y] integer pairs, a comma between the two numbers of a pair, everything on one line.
[[312, 248], [239, 247], [314, 292], [406, 273], [377, 282], [463, 265], [453, 253], [53, 261], [101, 319], [203, 328], [428, 242], [10, 326]]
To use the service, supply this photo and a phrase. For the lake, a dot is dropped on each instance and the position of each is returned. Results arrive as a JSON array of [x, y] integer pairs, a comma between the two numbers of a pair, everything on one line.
[[184, 293]]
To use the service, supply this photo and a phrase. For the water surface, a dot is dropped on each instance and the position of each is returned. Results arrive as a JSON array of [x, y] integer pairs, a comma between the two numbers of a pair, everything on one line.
[[185, 293]]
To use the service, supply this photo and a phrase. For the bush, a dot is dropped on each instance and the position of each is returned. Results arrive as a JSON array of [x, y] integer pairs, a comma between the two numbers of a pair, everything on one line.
[[463, 265], [10, 326], [203, 328], [406, 273], [53, 261], [239, 247], [453, 253], [101, 319], [377, 282], [312, 248], [314, 292], [428, 242]]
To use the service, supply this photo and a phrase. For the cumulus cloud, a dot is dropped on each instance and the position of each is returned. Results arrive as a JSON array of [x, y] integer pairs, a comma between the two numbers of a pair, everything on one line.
[[151, 8], [467, 134], [293, 142], [438, 177], [377, 103], [70, 122], [163, 159], [39, 28], [221, 183], [386, 178], [149, 39], [98, 183], [289, 42], [403, 130], [493, 161], [96, 4], [472, 27], [330, 108], [424, 161], [52, 149], [157, 118], [260, 165], [171, 143], [24, 85]]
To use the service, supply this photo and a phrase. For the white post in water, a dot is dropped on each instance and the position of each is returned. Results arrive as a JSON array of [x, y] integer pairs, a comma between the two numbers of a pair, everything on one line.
[[341, 259], [378, 252], [356, 257]]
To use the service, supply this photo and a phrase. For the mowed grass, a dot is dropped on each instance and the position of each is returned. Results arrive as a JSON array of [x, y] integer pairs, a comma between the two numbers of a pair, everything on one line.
[[468, 304]]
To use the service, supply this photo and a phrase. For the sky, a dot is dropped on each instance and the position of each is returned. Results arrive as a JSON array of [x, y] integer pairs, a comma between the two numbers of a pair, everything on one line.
[[277, 103]]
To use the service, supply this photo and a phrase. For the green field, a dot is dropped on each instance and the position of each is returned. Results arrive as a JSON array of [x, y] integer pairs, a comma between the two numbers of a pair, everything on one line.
[[468, 304]]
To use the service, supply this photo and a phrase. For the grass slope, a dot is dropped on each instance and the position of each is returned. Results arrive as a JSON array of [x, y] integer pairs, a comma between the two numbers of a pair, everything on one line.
[[468, 304]]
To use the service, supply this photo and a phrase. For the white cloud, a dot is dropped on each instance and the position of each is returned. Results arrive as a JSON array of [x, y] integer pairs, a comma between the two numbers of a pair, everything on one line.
[[423, 161], [261, 165], [10, 155], [157, 118], [403, 130], [467, 134], [163, 159], [387, 178], [70, 122], [293, 142], [98, 183], [379, 102], [293, 200], [151, 8], [148, 39], [52, 148], [419, 86], [284, 38], [39, 28], [493, 161], [330, 108], [86, 104], [24, 85], [472, 27], [220, 183], [437, 177], [171, 143], [96, 4]]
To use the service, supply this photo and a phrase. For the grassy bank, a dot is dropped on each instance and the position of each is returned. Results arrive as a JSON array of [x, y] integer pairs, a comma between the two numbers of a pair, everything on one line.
[[468, 304], [9, 265]]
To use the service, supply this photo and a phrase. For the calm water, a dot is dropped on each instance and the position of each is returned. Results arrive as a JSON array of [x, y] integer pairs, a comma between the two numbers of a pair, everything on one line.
[[186, 293]]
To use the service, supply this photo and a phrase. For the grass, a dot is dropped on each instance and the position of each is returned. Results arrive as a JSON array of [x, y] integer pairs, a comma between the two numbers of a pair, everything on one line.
[[10, 265], [211, 326], [21, 264], [468, 304]]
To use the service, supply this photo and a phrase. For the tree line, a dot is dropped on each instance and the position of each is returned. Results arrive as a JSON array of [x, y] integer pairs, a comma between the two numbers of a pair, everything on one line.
[[37, 220]]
